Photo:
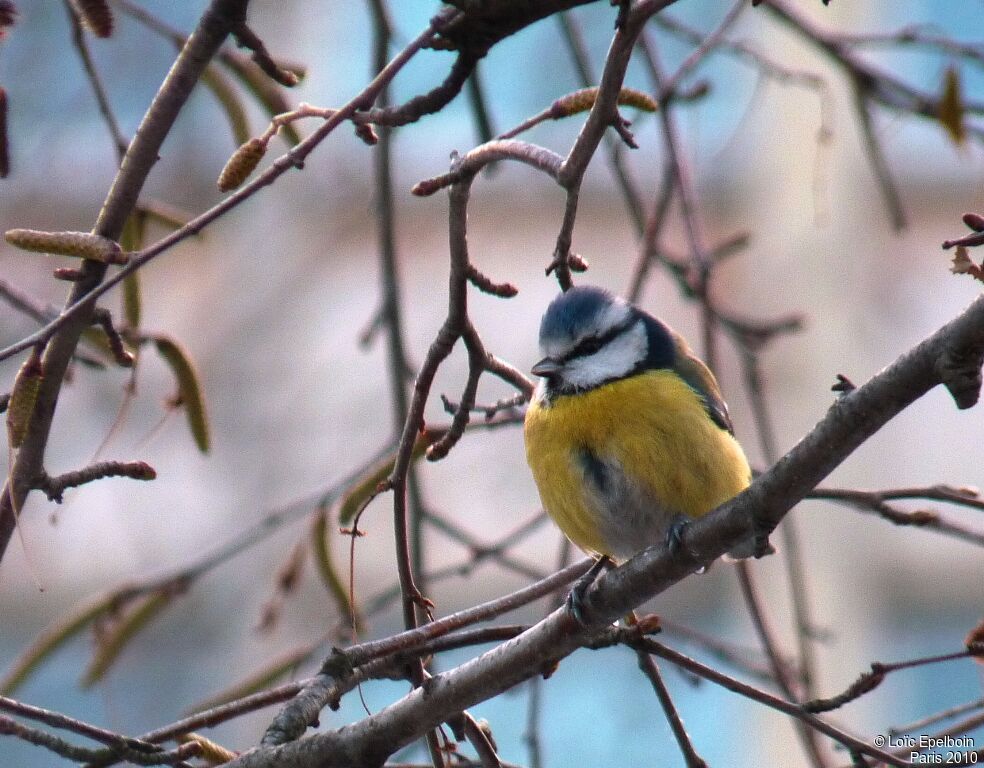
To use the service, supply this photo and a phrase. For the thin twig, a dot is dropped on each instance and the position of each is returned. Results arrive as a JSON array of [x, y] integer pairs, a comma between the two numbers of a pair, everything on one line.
[[10, 727], [651, 670], [874, 501], [756, 694], [120, 142]]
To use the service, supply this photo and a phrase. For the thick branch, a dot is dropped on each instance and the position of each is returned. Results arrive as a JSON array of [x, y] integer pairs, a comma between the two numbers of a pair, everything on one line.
[[849, 422]]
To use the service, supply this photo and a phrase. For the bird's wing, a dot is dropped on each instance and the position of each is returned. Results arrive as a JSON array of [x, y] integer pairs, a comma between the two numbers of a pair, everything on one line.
[[699, 377]]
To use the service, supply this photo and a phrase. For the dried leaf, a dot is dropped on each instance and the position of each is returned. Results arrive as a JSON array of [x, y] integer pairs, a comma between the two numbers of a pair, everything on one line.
[[113, 642], [168, 216], [964, 265], [951, 107], [321, 549], [268, 93], [216, 81], [190, 391], [23, 397], [287, 579], [262, 678], [53, 638], [132, 239], [212, 753]]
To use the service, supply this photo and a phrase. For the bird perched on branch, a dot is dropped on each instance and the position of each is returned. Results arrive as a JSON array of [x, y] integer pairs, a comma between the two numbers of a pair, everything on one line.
[[627, 435]]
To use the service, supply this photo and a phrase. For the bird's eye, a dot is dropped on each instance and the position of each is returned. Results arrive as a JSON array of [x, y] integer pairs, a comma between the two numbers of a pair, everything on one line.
[[589, 346]]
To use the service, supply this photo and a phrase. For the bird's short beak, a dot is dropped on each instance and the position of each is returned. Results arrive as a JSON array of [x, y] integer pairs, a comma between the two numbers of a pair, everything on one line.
[[546, 367]]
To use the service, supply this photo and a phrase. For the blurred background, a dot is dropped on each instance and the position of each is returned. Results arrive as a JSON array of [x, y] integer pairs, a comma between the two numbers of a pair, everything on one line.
[[272, 299]]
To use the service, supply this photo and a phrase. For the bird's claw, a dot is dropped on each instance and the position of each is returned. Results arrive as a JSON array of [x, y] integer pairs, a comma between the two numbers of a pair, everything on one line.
[[575, 598]]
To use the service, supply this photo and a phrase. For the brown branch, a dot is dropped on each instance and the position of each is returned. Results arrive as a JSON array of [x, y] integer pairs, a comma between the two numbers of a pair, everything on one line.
[[489, 410], [604, 114], [651, 670], [756, 694], [120, 142], [10, 727], [27, 306], [613, 147], [743, 52], [918, 36], [700, 255], [883, 174], [729, 653], [497, 551], [486, 285], [870, 680], [476, 367], [780, 671], [217, 20], [649, 246], [480, 737], [946, 714], [499, 149], [116, 741], [246, 38], [54, 487], [875, 501], [292, 721], [707, 45], [484, 24], [427, 103]]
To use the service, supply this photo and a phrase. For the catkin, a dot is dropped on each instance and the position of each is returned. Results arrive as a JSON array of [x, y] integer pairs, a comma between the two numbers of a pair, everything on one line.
[[584, 99], [83, 245], [242, 163]]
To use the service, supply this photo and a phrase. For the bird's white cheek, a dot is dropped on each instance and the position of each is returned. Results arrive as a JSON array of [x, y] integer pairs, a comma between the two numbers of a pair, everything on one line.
[[617, 358]]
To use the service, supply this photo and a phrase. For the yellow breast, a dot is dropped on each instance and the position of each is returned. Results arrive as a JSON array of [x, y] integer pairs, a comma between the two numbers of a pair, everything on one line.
[[653, 427]]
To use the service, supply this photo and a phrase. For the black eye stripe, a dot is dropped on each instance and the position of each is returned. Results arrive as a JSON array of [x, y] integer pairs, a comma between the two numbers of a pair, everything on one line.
[[592, 344]]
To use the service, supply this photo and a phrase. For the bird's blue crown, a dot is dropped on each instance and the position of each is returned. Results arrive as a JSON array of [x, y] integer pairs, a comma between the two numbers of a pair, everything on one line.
[[573, 312], [576, 314]]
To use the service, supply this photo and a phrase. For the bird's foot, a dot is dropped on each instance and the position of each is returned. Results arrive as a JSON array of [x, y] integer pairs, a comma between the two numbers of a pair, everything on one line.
[[675, 542], [674, 534], [575, 598]]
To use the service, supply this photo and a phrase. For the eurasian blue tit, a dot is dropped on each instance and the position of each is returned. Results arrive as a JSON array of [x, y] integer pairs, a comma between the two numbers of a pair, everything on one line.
[[627, 435]]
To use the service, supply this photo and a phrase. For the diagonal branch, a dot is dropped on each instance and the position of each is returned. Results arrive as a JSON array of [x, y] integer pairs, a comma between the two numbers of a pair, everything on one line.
[[848, 422]]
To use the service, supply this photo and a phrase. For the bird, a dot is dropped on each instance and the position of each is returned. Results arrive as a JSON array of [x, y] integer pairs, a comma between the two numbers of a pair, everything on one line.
[[627, 434]]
